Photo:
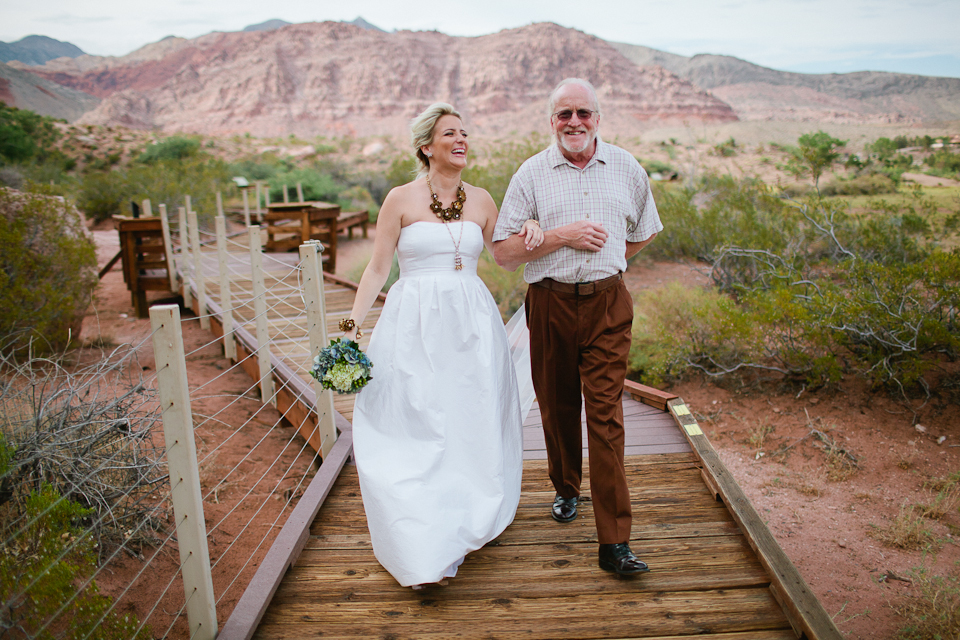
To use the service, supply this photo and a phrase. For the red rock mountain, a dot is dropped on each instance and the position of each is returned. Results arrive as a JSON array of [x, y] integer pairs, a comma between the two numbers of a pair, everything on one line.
[[335, 78]]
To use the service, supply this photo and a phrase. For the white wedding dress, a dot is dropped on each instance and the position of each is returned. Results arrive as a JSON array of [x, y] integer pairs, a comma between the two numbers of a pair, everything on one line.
[[437, 431]]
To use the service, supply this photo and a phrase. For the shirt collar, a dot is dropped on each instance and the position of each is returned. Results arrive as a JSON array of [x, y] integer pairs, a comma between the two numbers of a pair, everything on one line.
[[556, 157]]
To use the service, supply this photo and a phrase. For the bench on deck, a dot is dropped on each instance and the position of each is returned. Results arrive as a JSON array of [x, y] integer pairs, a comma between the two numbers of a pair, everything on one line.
[[350, 219], [144, 259]]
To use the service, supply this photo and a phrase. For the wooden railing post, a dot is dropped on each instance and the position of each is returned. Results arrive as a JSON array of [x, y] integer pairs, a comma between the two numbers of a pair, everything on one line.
[[219, 204], [226, 304], [299, 192], [259, 212], [198, 271], [184, 236], [147, 210], [167, 246], [184, 474], [260, 311], [317, 330], [246, 208]]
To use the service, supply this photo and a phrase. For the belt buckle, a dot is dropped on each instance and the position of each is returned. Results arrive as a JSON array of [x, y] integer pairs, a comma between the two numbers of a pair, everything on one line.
[[588, 288]]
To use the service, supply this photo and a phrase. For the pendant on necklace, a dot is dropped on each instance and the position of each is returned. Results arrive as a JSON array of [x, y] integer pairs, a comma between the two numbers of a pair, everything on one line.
[[457, 262]]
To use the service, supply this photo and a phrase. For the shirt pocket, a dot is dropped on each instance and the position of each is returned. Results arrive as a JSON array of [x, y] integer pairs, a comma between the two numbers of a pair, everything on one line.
[[618, 213]]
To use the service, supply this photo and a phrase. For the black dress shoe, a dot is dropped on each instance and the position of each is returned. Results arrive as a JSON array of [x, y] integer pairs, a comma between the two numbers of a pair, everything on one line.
[[564, 509], [619, 559]]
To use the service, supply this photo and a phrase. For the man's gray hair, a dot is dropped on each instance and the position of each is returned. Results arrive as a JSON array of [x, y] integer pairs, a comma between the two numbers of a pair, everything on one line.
[[421, 130], [580, 81]]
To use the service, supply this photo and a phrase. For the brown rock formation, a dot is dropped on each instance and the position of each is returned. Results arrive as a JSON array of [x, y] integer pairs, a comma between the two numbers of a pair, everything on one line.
[[335, 79]]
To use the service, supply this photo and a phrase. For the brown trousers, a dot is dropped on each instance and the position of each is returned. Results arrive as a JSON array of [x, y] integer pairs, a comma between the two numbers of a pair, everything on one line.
[[580, 344]]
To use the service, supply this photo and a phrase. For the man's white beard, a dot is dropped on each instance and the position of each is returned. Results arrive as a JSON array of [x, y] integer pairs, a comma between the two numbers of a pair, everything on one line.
[[588, 140]]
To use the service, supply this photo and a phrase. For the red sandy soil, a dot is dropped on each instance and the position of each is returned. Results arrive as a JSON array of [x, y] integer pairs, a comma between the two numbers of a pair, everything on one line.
[[265, 446], [827, 527]]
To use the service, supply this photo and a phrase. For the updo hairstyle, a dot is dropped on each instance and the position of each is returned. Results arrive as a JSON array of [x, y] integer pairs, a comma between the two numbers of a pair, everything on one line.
[[421, 130]]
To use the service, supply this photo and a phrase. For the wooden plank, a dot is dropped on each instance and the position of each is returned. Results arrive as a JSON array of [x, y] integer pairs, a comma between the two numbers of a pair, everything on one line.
[[805, 612], [636, 614], [647, 395], [287, 547]]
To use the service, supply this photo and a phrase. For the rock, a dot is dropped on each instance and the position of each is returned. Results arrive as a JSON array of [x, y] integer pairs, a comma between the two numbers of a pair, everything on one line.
[[336, 79]]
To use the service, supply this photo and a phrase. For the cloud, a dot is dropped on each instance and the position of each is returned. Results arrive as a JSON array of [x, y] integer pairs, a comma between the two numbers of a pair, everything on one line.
[[69, 20]]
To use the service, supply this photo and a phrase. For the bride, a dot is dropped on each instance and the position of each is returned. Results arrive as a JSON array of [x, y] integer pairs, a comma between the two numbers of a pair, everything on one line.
[[437, 431]]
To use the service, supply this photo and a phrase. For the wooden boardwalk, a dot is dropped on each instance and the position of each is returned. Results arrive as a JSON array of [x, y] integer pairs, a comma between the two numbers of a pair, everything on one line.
[[540, 579], [716, 570]]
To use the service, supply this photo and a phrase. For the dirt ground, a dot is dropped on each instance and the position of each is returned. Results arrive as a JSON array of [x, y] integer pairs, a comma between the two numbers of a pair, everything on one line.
[[826, 515]]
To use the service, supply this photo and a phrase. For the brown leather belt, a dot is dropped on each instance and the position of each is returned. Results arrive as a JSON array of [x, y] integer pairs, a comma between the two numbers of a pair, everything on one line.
[[579, 288]]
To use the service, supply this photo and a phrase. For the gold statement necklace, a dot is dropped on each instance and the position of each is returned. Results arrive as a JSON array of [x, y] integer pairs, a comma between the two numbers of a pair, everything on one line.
[[453, 212]]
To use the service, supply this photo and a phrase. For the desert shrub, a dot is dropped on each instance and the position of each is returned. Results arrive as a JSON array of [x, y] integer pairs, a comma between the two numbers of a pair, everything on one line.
[[507, 287], [865, 185], [726, 149], [402, 170], [814, 154], [105, 194], [656, 166], [46, 563], [933, 610], [173, 148], [677, 328], [815, 292], [25, 135], [943, 163], [85, 432], [48, 272], [494, 170], [316, 185], [255, 168], [718, 211]]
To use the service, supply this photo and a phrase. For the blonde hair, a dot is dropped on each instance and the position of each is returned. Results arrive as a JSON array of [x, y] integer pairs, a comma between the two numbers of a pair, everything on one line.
[[421, 130]]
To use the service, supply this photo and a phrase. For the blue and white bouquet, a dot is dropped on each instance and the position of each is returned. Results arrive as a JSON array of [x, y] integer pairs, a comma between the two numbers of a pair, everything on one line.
[[342, 366]]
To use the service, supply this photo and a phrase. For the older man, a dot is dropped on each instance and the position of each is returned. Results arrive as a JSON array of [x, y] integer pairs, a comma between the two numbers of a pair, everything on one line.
[[593, 201]]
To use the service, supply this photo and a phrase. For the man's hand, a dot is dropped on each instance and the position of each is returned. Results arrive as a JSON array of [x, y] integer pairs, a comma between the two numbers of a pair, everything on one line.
[[585, 235]]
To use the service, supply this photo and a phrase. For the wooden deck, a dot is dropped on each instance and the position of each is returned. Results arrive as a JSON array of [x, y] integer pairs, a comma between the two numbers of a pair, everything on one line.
[[540, 578], [716, 570]]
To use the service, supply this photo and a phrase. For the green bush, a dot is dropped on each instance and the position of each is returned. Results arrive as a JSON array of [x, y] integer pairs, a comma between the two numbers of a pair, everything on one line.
[[25, 135], [865, 185], [943, 163], [316, 185], [507, 287], [48, 272], [102, 195], [676, 327], [815, 292], [719, 211], [173, 148], [494, 171], [46, 563]]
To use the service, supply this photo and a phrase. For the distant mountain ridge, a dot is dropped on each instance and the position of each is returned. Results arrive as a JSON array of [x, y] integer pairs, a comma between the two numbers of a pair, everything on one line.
[[759, 93], [334, 78], [269, 25], [323, 79], [18, 87], [36, 50]]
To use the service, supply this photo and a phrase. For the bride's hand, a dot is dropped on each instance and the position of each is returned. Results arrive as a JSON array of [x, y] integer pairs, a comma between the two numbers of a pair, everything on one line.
[[532, 234]]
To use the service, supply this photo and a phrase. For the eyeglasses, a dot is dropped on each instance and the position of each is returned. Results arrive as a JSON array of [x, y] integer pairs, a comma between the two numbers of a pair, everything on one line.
[[567, 114]]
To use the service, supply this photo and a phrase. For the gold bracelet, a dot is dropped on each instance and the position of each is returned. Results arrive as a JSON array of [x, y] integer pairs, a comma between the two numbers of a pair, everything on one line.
[[347, 324]]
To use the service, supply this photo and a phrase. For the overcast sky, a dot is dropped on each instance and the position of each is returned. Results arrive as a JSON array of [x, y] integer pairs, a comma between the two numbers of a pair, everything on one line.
[[814, 36]]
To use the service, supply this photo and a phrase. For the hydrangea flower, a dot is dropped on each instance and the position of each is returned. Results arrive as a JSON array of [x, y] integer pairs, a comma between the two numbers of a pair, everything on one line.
[[342, 366]]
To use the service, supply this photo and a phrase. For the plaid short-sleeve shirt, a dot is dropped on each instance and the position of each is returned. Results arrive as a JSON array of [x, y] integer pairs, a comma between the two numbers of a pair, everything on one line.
[[612, 189]]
